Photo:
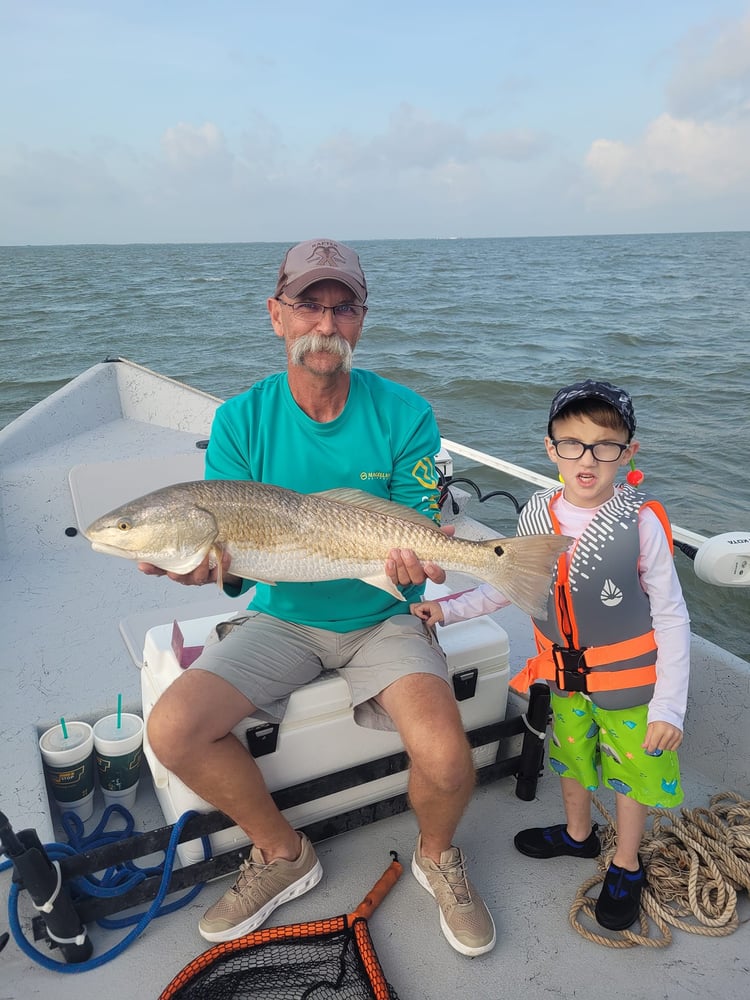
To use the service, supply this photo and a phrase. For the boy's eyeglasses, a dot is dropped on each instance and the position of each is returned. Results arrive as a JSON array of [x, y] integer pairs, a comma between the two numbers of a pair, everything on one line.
[[603, 451], [310, 312]]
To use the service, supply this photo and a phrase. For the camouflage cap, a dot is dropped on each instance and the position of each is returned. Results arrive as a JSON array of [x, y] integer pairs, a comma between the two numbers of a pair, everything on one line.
[[618, 399]]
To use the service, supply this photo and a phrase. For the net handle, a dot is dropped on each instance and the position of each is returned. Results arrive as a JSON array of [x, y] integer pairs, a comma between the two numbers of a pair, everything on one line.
[[380, 890]]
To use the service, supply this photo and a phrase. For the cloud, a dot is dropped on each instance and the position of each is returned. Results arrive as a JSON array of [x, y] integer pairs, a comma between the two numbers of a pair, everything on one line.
[[415, 138], [700, 157], [416, 141], [712, 81], [48, 183], [420, 174], [187, 146], [512, 145], [700, 148], [196, 155]]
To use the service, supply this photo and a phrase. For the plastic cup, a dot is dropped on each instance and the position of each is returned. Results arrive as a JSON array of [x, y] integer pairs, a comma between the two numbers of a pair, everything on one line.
[[118, 755], [69, 767]]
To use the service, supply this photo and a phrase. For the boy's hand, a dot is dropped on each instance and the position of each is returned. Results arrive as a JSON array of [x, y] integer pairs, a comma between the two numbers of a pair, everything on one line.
[[662, 736], [429, 611]]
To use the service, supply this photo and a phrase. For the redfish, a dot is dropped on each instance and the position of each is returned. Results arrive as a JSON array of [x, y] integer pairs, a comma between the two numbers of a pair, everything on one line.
[[274, 535]]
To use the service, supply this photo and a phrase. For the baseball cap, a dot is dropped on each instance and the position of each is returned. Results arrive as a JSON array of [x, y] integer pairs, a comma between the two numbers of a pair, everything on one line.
[[618, 399], [316, 260]]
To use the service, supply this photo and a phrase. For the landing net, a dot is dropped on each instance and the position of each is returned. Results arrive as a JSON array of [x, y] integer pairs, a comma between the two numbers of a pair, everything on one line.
[[331, 959]]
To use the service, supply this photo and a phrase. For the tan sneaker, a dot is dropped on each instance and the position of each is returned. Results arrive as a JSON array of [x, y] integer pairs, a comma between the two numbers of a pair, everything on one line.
[[464, 919], [259, 889]]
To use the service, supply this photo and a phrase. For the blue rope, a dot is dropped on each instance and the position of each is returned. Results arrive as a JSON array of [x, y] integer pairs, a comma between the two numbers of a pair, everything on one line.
[[116, 881]]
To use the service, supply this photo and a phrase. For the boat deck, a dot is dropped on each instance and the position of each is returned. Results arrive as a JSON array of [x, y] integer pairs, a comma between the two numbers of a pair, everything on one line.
[[67, 613]]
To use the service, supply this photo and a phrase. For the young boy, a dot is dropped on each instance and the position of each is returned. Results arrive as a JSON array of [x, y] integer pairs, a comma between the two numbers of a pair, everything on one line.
[[615, 647]]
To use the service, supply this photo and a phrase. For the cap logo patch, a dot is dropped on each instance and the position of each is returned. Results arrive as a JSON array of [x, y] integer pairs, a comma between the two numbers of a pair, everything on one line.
[[326, 255]]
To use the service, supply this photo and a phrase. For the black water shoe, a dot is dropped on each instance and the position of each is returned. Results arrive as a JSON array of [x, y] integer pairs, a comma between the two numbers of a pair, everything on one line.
[[555, 842], [619, 902]]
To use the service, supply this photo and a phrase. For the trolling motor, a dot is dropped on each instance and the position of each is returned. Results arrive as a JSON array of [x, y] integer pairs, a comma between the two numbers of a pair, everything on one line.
[[43, 881], [723, 560]]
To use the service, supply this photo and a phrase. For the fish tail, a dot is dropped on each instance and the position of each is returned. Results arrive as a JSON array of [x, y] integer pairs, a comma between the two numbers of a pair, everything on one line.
[[523, 569]]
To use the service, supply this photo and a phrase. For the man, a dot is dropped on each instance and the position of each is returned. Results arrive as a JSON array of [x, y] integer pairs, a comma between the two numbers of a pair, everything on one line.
[[316, 426]]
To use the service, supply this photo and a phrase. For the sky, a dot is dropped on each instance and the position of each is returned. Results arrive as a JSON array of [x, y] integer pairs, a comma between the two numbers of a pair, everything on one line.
[[172, 121]]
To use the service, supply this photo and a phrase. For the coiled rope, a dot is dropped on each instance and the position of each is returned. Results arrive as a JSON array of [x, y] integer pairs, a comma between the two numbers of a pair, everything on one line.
[[696, 863], [115, 881]]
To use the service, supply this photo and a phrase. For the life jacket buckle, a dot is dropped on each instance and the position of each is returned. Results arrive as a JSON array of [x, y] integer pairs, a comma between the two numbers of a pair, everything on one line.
[[571, 670]]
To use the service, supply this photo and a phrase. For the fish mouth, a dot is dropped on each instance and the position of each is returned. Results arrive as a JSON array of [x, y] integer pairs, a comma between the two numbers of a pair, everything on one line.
[[111, 550]]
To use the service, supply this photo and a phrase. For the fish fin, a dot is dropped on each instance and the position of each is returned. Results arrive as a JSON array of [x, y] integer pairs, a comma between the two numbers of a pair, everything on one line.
[[216, 553], [526, 568], [383, 582], [378, 505]]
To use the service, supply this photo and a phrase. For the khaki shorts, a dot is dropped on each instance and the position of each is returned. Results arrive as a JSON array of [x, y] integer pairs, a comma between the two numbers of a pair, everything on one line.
[[267, 659]]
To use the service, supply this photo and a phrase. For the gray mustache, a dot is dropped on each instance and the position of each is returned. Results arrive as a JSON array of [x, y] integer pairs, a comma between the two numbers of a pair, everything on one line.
[[314, 342]]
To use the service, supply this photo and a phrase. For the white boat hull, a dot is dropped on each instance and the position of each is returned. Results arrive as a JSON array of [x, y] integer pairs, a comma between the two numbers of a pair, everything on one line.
[[74, 627]]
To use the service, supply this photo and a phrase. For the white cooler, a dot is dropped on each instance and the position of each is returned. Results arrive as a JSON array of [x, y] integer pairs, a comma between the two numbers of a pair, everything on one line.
[[318, 735]]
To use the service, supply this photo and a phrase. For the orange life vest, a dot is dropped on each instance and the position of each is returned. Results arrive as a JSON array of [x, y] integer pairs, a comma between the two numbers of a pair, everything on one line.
[[573, 652]]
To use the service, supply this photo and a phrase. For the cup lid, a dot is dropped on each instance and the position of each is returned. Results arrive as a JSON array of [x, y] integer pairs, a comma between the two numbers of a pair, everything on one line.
[[54, 740], [106, 728]]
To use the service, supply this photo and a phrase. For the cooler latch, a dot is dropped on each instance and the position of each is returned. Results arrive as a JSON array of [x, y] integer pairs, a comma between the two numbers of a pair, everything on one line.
[[262, 740], [465, 683]]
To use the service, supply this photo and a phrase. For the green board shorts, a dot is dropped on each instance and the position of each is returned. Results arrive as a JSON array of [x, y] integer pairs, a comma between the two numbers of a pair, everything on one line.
[[587, 739]]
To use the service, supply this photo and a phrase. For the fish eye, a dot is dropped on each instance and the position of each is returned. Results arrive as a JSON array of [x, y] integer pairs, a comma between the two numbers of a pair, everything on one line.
[[124, 525]]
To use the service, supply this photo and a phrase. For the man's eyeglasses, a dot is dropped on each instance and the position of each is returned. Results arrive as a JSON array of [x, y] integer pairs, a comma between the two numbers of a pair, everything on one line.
[[310, 312], [603, 451]]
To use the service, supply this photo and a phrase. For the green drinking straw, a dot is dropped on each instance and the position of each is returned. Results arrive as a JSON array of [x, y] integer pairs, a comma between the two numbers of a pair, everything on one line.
[[64, 728], [119, 710]]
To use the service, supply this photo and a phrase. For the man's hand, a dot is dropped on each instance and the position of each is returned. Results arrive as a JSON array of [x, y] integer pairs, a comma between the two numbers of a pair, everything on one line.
[[206, 572], [404, 567]]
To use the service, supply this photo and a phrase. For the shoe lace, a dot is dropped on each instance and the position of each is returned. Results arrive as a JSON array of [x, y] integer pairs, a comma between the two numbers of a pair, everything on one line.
[[250, 870], [454, 874]]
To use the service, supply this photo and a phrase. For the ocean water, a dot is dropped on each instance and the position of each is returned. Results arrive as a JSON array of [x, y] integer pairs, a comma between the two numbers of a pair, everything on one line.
[[486, 329]]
